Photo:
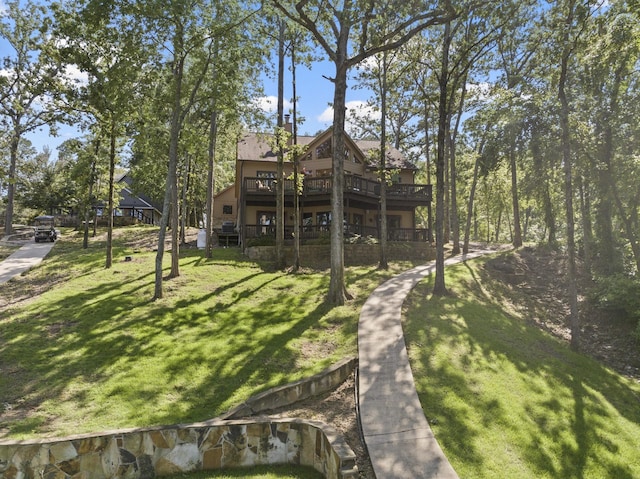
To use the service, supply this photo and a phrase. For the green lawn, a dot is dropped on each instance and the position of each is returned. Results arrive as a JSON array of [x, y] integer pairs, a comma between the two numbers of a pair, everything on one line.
[[508, 400], [258, 472], [92, 352]]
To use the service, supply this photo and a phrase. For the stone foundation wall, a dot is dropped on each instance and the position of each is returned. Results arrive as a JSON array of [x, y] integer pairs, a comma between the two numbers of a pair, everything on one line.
[[148, 453], [319, 256], [160, 451]]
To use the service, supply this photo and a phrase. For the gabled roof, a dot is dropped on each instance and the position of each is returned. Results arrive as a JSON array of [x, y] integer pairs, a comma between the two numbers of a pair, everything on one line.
[[128, 199], [256, 147]]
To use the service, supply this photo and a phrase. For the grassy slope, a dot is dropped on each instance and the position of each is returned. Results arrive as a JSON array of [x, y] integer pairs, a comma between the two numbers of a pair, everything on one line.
[[92, 352], [258, 472], [508, 400]]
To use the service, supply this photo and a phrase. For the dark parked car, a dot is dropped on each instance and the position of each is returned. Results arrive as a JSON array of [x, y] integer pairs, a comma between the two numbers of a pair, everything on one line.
[[45, 229]]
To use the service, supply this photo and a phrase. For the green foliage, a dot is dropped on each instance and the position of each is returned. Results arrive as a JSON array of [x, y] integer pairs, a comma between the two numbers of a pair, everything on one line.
[[506, 399], [264, 240], [619, 293]]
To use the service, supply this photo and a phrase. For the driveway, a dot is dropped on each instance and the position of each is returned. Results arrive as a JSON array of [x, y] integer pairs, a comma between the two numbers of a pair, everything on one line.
[[28, 256]]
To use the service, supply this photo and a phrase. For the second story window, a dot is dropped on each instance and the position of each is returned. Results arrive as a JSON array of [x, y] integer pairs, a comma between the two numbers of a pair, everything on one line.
[[324, 149]]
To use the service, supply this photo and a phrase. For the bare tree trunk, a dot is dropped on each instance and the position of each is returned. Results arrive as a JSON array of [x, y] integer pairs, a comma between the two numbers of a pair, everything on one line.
[[337, 294], [472, 194], [170, 207], [517, 231], [439, 287], [383, 264], [280, 219], [11, 187], [427, 154], [585, 213], [572, 288], [296, 167], [112, 168], [211, 181], [92, 179]]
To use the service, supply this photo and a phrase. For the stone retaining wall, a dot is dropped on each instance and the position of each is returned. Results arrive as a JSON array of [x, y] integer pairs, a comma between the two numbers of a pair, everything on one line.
[[159, 451], [319, 256]]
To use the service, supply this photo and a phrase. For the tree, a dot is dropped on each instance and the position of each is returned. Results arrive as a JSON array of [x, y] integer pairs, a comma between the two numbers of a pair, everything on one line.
[[374, 27], [30, 82]]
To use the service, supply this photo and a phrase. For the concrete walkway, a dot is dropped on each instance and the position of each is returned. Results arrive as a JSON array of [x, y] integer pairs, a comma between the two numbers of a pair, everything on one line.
[[396, 432], [28, 256]]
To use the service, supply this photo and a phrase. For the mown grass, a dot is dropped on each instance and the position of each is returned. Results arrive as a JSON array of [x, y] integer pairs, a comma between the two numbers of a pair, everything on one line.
[[506, 399], [91, 351], [258, 472]]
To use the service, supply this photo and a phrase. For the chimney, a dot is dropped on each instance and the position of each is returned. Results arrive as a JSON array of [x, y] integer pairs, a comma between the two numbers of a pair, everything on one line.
[[288, 127], [287, 122]]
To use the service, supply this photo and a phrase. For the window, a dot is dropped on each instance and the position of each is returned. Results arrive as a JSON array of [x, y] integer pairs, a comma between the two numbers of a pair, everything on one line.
[[323, 220], [266, 181], [324, 149], [266, 174], [266, 221], [227, 209]]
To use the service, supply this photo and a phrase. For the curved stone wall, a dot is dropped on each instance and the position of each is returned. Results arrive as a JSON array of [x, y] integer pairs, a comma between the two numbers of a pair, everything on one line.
[[160, 451], [152, 452]]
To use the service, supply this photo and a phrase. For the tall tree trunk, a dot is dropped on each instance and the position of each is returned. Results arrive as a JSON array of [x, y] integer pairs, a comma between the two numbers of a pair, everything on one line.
[[89, 208], [170, 209], [383, 264], [185, 205], [14, 142], [439, 287], [585, 213], [110, 202], [211, 163], [517, 231], [280, 219], [338, 294], [572, 288], [296, 166], [472, 195], [452, 136], [211, 180], [427, 154]]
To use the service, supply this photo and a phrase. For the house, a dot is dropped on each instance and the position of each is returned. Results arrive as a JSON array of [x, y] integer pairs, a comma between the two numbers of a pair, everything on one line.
[[251, 202], [131, 207]]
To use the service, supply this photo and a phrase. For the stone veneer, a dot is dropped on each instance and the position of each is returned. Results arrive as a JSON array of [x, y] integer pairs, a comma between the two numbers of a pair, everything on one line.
[[318, 256], [152, 452], [160, 451]]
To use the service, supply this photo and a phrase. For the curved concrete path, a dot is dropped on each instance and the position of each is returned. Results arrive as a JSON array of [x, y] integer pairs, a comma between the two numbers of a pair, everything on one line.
[[398, 437], [28, 256]]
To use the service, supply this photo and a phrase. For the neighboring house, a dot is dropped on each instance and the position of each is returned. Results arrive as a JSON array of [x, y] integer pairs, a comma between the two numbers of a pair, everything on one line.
[[132, 207], [251, 202]]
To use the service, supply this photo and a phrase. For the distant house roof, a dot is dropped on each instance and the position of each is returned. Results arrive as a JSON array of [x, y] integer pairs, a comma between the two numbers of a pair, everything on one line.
[[129, 199], [256, 147]]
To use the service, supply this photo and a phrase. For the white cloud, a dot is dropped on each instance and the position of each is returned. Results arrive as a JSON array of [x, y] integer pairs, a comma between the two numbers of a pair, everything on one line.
[[355, 109], [74, 74], [270, 104]]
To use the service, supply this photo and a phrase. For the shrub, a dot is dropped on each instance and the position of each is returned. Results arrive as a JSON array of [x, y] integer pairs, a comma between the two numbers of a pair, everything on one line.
[[619, 293]]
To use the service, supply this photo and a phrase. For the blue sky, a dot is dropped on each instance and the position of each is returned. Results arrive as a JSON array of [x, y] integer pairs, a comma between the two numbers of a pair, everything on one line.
[[315, 95]]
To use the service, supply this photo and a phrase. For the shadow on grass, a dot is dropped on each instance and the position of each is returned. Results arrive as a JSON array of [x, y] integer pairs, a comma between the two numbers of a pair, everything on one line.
[[567, 407], [204, 353]]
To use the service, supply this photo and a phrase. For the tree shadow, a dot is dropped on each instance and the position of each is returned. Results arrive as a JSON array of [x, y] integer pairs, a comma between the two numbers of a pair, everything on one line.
[[560, 382]]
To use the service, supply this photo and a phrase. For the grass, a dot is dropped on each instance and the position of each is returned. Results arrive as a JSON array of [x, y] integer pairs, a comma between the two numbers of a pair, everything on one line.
[[6, 250], [85, 349], [506, 399], [258, 472]]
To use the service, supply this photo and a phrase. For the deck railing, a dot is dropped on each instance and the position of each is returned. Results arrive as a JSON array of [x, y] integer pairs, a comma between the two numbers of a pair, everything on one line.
[[311, 232], [354, 184]]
